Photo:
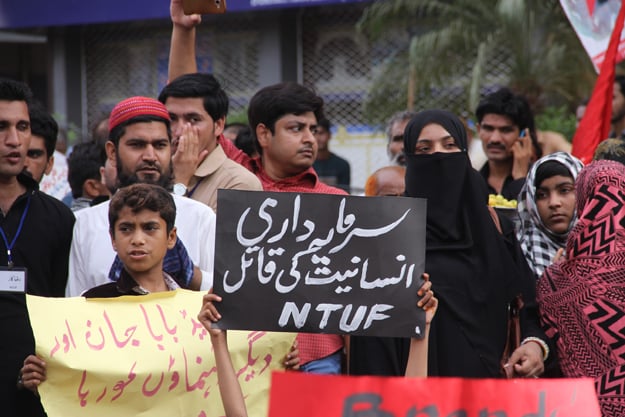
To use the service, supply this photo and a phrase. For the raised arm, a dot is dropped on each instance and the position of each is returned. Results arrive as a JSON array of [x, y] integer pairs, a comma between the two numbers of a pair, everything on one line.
[[229, 388], [417, 365], [182, 49]]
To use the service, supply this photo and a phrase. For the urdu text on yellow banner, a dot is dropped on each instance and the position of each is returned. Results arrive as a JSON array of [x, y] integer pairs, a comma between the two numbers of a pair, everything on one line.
[[144, 356]]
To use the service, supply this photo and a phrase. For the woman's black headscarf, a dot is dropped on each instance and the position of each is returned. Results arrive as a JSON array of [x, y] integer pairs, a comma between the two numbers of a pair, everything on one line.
[[428, 175], [470, 265]]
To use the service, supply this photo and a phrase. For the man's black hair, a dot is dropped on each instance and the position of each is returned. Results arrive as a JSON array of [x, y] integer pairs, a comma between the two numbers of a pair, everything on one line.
[[275, 101], [198, 85], [11, 90], [506, 103], [43, 124]]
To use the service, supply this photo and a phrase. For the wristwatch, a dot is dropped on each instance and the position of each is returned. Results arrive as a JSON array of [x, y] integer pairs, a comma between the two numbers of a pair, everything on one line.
[[180, 189]]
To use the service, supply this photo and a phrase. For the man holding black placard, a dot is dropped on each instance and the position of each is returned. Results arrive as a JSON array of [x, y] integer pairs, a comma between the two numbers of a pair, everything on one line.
[[283, 118]]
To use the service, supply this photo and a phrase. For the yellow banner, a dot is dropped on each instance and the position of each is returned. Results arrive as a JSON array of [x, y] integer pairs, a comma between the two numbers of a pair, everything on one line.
[[144, 356]]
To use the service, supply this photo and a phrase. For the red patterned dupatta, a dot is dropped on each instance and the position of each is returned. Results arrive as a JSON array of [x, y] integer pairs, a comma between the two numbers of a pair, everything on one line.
[[582, 299]]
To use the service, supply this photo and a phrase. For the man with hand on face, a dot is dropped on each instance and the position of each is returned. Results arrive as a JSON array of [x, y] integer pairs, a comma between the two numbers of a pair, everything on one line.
[[139, 147], [198, 107], [506, 128]]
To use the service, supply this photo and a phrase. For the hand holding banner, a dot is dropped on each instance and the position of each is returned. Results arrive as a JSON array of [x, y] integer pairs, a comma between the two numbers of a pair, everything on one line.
[[143, 355]]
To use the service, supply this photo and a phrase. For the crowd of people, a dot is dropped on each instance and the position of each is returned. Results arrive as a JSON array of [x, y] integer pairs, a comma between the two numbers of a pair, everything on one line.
[[149, 179]]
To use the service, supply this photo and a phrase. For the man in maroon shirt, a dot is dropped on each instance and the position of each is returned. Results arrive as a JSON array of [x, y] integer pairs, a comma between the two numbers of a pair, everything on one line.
[[283, 118]]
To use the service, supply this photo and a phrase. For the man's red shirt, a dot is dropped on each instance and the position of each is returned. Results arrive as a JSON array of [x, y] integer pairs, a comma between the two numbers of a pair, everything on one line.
[[310, 346]]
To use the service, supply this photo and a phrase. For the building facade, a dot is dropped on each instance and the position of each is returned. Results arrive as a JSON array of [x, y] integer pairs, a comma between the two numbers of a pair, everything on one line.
[[82, 59]]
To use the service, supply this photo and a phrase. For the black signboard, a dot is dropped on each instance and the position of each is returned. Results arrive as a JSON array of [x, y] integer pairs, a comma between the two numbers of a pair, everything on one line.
[[317, 263]]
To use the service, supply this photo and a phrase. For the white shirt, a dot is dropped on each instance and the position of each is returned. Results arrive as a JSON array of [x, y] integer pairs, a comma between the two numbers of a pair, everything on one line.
[[92, 254]]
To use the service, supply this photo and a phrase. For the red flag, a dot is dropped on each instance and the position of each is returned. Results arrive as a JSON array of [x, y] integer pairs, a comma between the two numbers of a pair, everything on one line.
[[591, 6], [595, 125]]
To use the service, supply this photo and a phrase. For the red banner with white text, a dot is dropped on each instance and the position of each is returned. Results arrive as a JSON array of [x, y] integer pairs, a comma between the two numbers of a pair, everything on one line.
[[306, 395]]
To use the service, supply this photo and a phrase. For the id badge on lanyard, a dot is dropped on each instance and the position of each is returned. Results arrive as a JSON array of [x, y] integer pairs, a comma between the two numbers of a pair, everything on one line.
[[13, 279]]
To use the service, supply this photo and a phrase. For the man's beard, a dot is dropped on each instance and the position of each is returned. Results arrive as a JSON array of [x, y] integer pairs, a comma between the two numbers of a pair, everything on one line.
[[125, 178]]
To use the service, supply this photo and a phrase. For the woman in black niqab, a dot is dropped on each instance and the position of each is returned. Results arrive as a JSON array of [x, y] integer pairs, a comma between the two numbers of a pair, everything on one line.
[[474, 269]]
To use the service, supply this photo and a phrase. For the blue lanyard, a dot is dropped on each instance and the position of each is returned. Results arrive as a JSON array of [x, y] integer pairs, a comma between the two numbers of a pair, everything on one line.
[[19, 230], [190, 193]]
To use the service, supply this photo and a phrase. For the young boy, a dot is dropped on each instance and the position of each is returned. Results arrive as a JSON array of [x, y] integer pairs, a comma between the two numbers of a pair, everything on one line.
[[141, 221], [141, 225]]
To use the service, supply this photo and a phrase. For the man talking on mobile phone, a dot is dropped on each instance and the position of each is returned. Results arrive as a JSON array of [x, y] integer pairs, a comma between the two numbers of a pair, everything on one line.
[[506, 128]]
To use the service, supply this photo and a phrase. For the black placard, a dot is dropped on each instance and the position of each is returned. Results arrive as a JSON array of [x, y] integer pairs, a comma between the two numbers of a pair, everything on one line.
[[318, 263]]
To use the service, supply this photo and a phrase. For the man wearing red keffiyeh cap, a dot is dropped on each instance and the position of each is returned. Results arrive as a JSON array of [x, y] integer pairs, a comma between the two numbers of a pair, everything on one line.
[[139, 147], [135, 107]]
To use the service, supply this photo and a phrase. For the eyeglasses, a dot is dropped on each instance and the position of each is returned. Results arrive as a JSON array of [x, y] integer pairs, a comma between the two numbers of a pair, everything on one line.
[[398, 138]]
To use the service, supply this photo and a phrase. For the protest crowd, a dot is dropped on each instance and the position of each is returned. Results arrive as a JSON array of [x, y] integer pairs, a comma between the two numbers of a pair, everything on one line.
[[140, 216]]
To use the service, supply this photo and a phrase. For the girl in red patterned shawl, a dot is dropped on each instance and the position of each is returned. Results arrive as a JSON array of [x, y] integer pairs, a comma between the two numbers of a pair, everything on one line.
[[582, 299]]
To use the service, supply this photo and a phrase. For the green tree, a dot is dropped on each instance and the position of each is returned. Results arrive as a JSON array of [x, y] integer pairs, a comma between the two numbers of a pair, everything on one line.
[[470, 47]]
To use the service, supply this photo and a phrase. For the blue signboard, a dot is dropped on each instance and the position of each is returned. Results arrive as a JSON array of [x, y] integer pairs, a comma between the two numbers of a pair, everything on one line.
[[37, 13]]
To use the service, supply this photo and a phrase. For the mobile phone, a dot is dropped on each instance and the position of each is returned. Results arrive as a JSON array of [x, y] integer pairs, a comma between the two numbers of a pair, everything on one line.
[[204, 6], [522, 134]]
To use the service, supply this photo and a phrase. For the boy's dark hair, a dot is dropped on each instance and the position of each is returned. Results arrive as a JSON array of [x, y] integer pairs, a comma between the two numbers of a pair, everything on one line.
[[84, 164], [505, 103], [198, 85], [271, 103], [119, 130], [43, 124], [11, 90], [139, 197]]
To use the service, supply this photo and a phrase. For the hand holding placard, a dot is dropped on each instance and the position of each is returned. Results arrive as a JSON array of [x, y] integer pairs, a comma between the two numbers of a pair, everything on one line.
[[315, 263]]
